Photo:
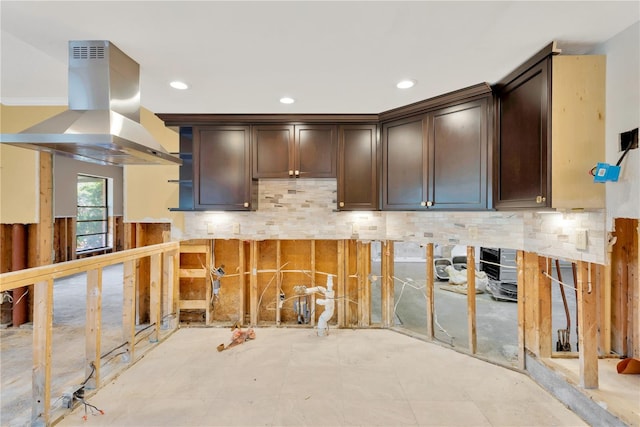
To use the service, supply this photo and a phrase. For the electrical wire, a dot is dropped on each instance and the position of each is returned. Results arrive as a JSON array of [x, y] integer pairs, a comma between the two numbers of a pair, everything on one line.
[[114, 349], [144, 329], [561, 283], [93, 370]]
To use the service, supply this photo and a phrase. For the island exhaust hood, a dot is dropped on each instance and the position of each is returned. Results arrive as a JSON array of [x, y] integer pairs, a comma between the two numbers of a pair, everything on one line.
[[102, 124]]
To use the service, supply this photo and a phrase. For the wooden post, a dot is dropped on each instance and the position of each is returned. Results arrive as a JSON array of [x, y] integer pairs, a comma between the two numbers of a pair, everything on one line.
[[360, 285], [388, 315], [366, 286], [606, 300], [209, 261], [530, 290], [278, 282], [429, 292], [588, 330], [544, 307], [241, 281], [471, 299], [253, 283], [635, 285], [155, 290], [521, 307], [168, 291], [343, 273], [42, 338], [312, 320], [129, 308], [93, 328], [44, 247]]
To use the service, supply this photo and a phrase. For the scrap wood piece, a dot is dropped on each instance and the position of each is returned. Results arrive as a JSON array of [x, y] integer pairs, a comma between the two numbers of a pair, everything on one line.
[[238, 336], [458, 289]]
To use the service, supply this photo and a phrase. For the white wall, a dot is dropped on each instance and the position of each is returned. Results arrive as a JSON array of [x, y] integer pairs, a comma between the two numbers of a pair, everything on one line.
[[622, 114]]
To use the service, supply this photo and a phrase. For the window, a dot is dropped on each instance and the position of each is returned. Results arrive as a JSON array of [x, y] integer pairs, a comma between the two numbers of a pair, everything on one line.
[[92, 224]]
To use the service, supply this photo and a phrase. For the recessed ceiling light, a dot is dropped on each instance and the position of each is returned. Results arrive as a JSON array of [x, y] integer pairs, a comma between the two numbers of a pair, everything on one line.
[[287, 100], [179, 85], [406, 84]]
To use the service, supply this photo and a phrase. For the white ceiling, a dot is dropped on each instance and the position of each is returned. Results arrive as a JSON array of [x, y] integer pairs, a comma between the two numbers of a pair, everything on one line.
[[331, 56]]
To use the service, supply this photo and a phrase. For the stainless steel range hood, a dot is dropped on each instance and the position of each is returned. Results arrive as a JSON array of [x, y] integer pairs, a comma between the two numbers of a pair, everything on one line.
[[102, 124]]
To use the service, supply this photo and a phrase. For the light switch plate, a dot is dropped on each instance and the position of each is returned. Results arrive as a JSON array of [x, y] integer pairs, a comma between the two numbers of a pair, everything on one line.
[[210, 228], [582, 241]]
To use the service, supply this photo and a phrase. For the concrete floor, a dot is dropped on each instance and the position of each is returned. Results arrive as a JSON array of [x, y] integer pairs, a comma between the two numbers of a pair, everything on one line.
[[292, 377]]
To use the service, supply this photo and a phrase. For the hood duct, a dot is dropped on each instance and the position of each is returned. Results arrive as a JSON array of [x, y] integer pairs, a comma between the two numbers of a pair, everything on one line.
[[102, 124]]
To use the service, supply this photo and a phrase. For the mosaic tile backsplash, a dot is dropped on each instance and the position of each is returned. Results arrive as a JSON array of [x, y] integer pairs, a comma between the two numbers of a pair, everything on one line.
[[306, 209]]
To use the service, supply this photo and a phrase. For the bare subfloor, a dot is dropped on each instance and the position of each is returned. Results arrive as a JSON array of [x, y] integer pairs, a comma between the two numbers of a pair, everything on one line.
[[293, 377]]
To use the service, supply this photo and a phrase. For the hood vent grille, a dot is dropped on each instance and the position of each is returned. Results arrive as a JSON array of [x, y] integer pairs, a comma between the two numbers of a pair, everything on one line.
[[88, 52]]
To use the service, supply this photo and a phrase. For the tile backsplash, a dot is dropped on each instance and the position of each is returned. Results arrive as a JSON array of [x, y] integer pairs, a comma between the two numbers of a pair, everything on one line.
[[306, 209]]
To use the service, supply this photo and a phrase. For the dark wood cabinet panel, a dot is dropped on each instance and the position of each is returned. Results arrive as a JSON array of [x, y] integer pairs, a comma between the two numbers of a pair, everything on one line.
[[458, 144], [404, 159], [315, 151], [222, 175], [300, 151], [273, 151], [523, 141], [357, 167]]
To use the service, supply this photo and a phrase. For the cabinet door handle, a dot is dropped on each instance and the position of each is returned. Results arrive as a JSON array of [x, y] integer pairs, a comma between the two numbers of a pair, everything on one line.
[[246, 204], [290, 173], [423, 203], [429, 203], [297, 173], [342, 204], [541, 199]]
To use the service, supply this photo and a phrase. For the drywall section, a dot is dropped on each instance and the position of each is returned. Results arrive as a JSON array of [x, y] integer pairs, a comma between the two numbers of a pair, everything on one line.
[[623, 112], [19, 167], [65, 180], [305, 209], [147, 193]]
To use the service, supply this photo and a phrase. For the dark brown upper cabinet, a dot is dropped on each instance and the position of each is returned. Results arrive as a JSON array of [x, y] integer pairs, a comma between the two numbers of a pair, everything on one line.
[[550, 125], [222, 168], [294, 151], [438, 160], [357, 167]]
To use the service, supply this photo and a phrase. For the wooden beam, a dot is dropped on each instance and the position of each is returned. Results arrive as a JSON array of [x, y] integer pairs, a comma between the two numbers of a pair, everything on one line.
[[242, 264], [429, 292], [155, 296], [45, 223], [253, 283], [588, 330], [169, 285], [471, 299], [366, 286], [312, 300], [635, 285], [606, 300], [93, 328], [278, 282], [543, 317], [360, 285], [194, 304], [530, 290], [208, 262], [343, 272], [42, 339], [129, 309], [521, 309], [388, 316]]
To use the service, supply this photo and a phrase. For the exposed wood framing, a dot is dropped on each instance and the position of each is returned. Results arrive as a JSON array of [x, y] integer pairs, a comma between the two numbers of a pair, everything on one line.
[[242, 268], [312, 300], [42, 340], [588, 330], [388, 318], [543, 316], [170, 280], [44, 248], [471, 300], [429, 292], [129, 308], [521, 309], [253, 283], [93, 328], [530, 291], [364, 284], [343, 272], [278, 282], [155, 296], [635, 297]]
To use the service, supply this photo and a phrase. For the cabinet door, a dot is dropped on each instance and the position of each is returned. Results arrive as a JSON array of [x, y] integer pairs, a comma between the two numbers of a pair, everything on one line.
[[403, 172], [273, 147], [315, 151], [357, 167], [458, 144], [222, 178], [523, 140]]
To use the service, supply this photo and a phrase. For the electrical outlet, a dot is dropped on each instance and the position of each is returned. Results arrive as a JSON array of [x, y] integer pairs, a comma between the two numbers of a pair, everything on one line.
[[236, 228], [581, 239], [473, 232], [210, 228], [355, 228]]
